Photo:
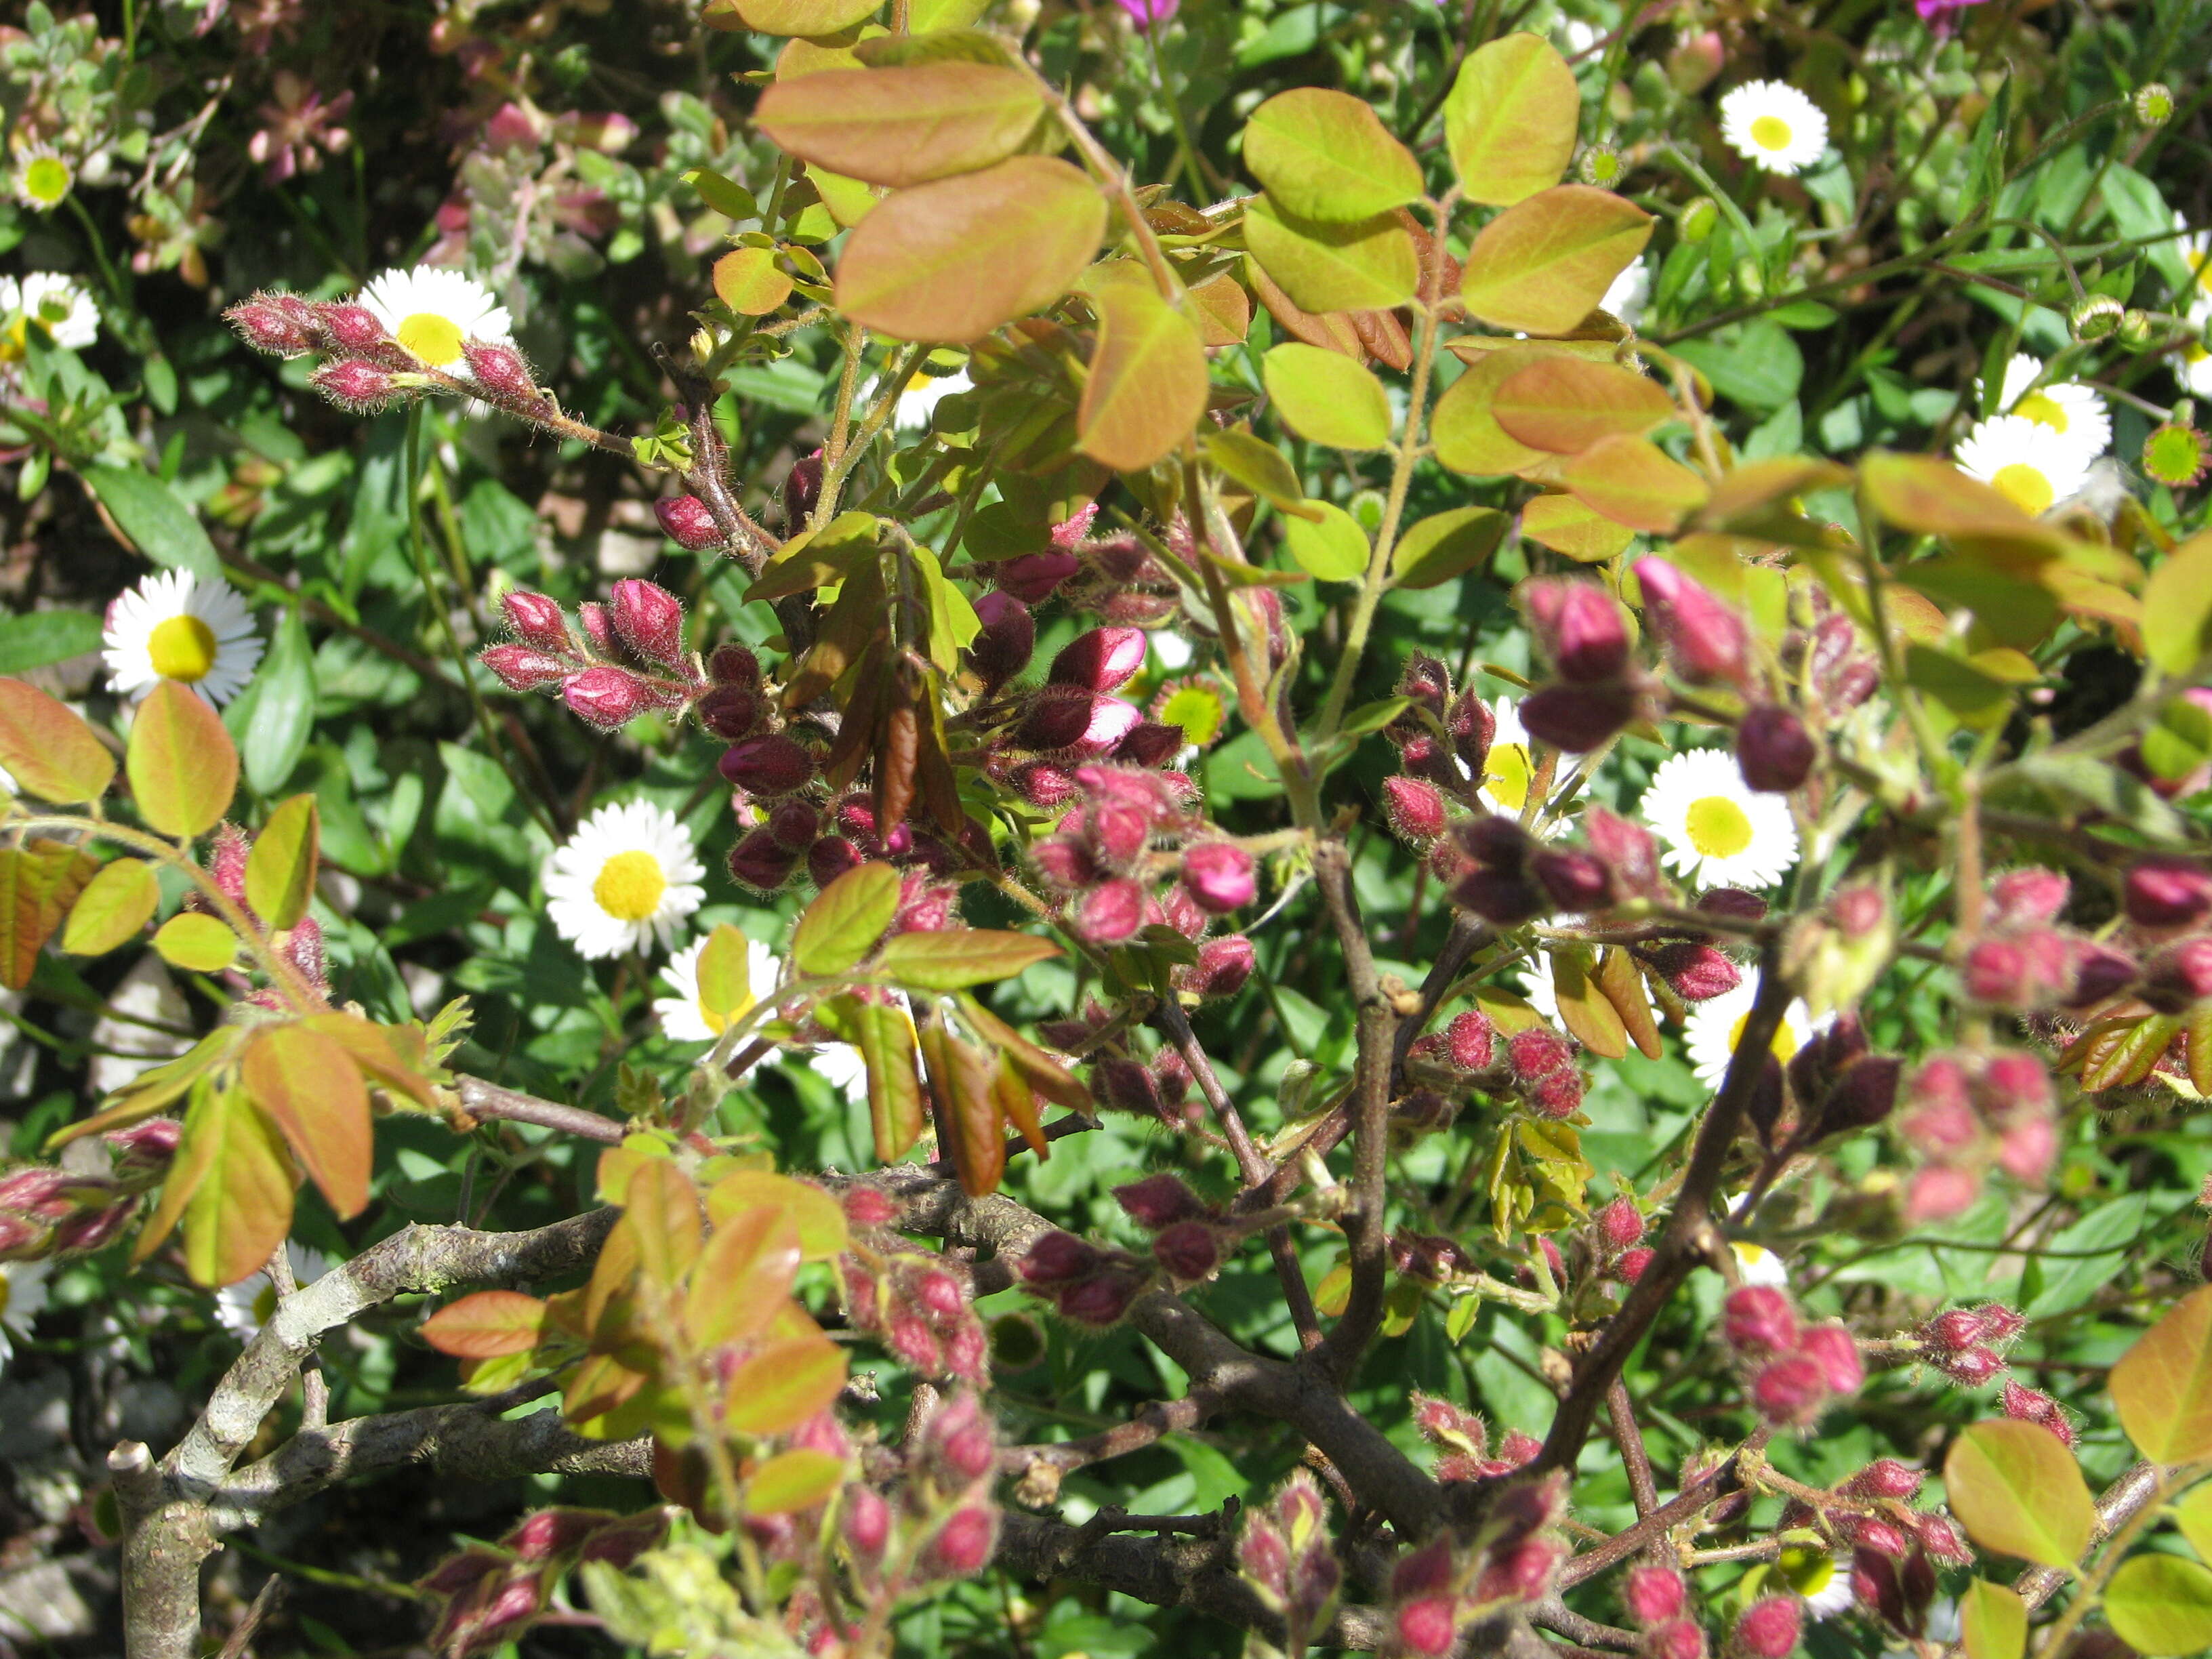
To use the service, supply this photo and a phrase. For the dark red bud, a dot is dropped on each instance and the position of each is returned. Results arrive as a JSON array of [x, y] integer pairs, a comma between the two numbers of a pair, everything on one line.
[[1654, 1595], [1631, 1267], [2166, 891], [649, 620], [686, 521], [1187, 1251], [1032, 578], [1158, 1201], [607, 698], [1538, 1052], [2180, 977], [1757, 1319], [1101, 1299], [1577, 719], [350, 327], [795, 823], [1832, 1348], [1506, 900], [1790, 1390], [1150, 743], [1008, 637], [1110, 912], [829, 858], [867, 1521], [733, 664], [802, 489], [1620, 1224], [269, 326], [1580, 626], [761, 862], [1576, 881], [1223, 965], [1472, 1042], [731, 712], [1058, 1258], [1103, 660], [964, 1545], [1415, 808], [1769, 1628], [770, 765], [1695, 973], [2021, 897], [536, 620], [598, 627], [1557, 1095], [1773, 749]]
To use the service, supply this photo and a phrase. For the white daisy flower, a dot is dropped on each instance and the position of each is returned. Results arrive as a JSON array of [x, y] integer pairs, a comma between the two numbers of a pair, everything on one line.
[[1630, 294], [624, 881], [1509, 768], [1715, 828], [1755, 1263], [1822, 1580], [2195, 371], [1774, 125], [1716, 1026], [1577, 37], [57, 304], [22, 1298], [430, 310], [172, 626], [41, 181], [922, 393], [244, 1308], [1170, 650], [2075, 412], [2197, 252], [840, 1065], [683, 1018], [1539, 989], [2026, 462]]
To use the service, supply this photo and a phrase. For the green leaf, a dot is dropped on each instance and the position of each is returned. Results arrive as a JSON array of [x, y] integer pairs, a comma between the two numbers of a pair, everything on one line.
[[48, 749], [2193, 1515], [792, 1480], [905, 125], [1510, 119], [39, 637], [957, 958], [1332, 549], [1570, 526], [156, 519], [2162, 1386], [1145, 390], [722, 193], [726, 990], [1373, 716], [115, 905], [1326, 398], [1543, 264], [884, 1038], [1446, 545], [240, 1206], [38, 882], [1261, 468], [750, 282], [282, 716], [783, 1385], [311, 1089], [2180, 740], [2017, 1490], [1755, 364], [280, 871], [1366, 265], [1326, 156], [182, 768], [2083, 1257], [1994, 1620], [198, 942], [2177, 614], [845, 919], [807, 17], [2160, 1605], [486, 1325]]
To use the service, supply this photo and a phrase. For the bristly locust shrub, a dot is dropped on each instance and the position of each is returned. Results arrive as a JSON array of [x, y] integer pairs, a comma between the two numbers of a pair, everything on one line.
[[948, 756]]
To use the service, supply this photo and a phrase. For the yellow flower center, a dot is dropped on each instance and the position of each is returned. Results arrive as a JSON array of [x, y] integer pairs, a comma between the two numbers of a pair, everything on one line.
[[919, 381], [1770, 132], [436, 340], [1807, 1571], [3, 1290], [2041, 408], [15, 341], [1719, 829], [2025, 487], [629, 886], [1785, 1040], [1505, 774], [46, 180], [183, 648]]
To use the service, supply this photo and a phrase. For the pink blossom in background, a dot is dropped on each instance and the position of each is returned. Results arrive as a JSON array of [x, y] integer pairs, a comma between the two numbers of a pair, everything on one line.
[[1148, 12], [1938, 11]]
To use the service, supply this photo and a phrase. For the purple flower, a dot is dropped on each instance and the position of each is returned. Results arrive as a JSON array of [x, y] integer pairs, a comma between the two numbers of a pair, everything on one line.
[[1938, 11], [1149, 12]]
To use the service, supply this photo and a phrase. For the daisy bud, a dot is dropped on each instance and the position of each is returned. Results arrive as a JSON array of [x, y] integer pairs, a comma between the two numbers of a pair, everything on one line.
[[1705, 639], [2095, 317], [607, 698], [964, 1545], [731, 712], [1223, 965], [1974, 1368], [650, 620], [1678, 1638], [1473, 728], [1188, 1251], [761, 862], [1628, 850], [1620, 1224], [536, 620], [1158, 1201], [521, 669], [1773, 749], [1148, 744], [350, 327], [269, 326], [1654, 1595], [2023, 897], [2100, 973], [686, 520], [1790, 1390], [1471, 1041], [1631, 1267], [1580, 626], [1110, 912], [1695, 973], [1218, 875], [1577, 719], [2153, 104], [1768, 1628], [2180, 977], [1034, 576], [500, 372], [1538, 1052], [1558, 1095], [1576, 881], [2166, 890], [1757, 1319], [1008, 637], [1103, 660], [1100, 1300], [1883, 1478], [2028, 1406], [1832, 1349], [770, 765], [360, 388]]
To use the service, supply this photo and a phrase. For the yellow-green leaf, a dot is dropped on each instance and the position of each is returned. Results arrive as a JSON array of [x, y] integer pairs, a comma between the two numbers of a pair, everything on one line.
[[309, 1086], [1327, 398], [660, 1209], [182, 764], [903, 126], [743, 1276], [196, 942], [486, 1325], [951, 259], [1446, 545], [2177, 606], [784, 1384], [48, 749], [726, 991], [1326, 155], [2160, 1605], [1146, 388], [240, 1206], [1261, 468], [1543, 264], [2017, 1490], [884, 1038], [1509, 120], [1564, 405], [2192, 1513], [1366, 265], [793, 1480], [40, 881], [1993, 1621], [114, 906], [2162, 1386], [1567, 526], [960, 1076], [280, 871], [750, 281], [808, 17], [1931, 497], [819, 1217], [959, 958], [1633, 482], [1332, 549], [1463, 427], [845, 919]]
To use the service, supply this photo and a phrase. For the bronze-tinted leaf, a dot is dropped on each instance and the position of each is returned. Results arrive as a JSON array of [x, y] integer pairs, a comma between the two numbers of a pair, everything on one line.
[[116, 905], [960, 1075], [2162, 1386], [750, 282], [1510, 117], [1326, 155], [1146, 387], [310, 1086], [182, 764], [807, 17], [2017, 1490], [1560, 522], [1543, 264], [905, 125], [1364, 265], [842, 925], [48, 749], [884, 1038], [793, 1480], [743, 1276], [486, 1325], [819, 1217], [1564, 405], [241, 1208], [1633, 482], [660, 1208], [40, 880], [784, 1384], [955, 958]]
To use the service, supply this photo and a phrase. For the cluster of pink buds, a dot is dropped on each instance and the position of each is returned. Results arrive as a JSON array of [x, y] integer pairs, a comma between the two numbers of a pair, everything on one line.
[[1965, 1111], [1463, 1442], [1535, 1065], [1188, 1235], [489, 1593], [2023, 964], [1658, 1599], [1824, 653], [1794, 1369], [1284, 1555], [1869, 1512], [1583, 632], [1437, 1590], [952, 1469], [365, 368], [1616, 1239], [609, 662], [1159, 1088], [47, 1212], [301, 944], [1838, 1084], [920, 1307], [1089, 1286], [1507, 877], [1074, 716]]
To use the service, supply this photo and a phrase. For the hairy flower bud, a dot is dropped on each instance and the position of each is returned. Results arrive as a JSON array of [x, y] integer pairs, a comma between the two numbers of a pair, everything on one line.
[[1757, 1319], [1002, 648], [1678, 1638], [1428, 1626], [1695, 973], [2021, 897], [1653, 1594], [963, 1546], [1224, 964], [606, 697], [2028, 1406], [1628, 850], [267, 323], [1158, 1201], [2100, 973], [350, 327], [1473, 728], [649, 620], [1150, 743], [802, 490], [1034, 576], [536, 620], [1768, 1629], [1218, 875], [1705, 639], [1773, 749], [867, 1522], [1557, 1095], [1187, 1251], [686, 521], [1620, 1224], [1471, 1041], [1631, 1267], [761, 862], [2180, 977], [357, 386], [1538, 1052], [1577, 719], [1575, 881], [1972, 1369], [1415, 808], [1580, 626], [1506, 898], [767, 766], [731, 712], [1110, 912], [1058, 1258], [1103, 660], [1100, 1300], [501, 372], [2164, 890], [521, 669], [1790, 1390], [1832, 1349], [1883, 1478], [795, 823]]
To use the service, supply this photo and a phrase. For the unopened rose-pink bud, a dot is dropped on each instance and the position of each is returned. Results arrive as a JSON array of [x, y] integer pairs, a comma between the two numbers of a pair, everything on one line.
[[1576, 881], [501, 372], [1954, 1331], [521, 669], [2028, 1406], [1773, 749], [2021, 897], [1580, 626], [1939, 1192], [964, 1545], [1158, 1201], [1832, 1349], [1620, 1224], [761, 862], [2164, 890], [1058, 1258], [1678, 1638], [1188, 1251], [1100, 1300], [1505, 898], [1654, 1595], [1473, 727], [1577, 719], [1006, 641], [870, 1206], [767, 766], [1628, 851], [536, 620], [1790, 1390], [270, 327], [686, 521], [1695, 973], [1538, 1052], [1224, 964], [1884, 1478], [1557, 1095], [354, 385], [1705, 639], [351, 327], [867, 1521], [1415, 808], [1428, 1626], [731, 712], [1768, 1628], [598, 625], [1471, 1041], [2026, 1149], [1972, 1369], [606, 698], [1218, 875], [1631, 1267], [1103, 660], [1757, 1319], [1110, 912], [2180, 977], [1034, 576], [649, 620]]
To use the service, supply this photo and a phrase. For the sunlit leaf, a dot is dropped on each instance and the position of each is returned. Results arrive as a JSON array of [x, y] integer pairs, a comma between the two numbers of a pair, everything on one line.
[[784, 1384], [1326, 155], [48, 749], [280, 871], [486, 1324], [845, 919], [2160, 1605], [958, 958], [1146, 387], [792, 1480], [2177, 606], [1365, 264], [742, 1276], [1564, 405], [1326, 398], [1993, 1620], [310, 1086], [2017, 1490], [1634, 482], [1446, 545], [885, 1039], [1565, 525], [1543, 264], [182, 765], [241, 1206], [961, 1076], [2162, 1386], [40, 880], [819, 1219], [1332, 549], [750, 282], [115, 906], [1510, 117], [903, 126]]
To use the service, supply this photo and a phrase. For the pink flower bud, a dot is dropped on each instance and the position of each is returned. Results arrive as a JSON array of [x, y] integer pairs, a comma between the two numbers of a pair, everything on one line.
[[2163, 889], [686, 520], [2028, 1406], [1103, 660], [1938, 1192], [2015, 1081], [1773, 749], [1768, 1628], [1654, 1595], [1620, 1224], [767, 766], [1224, 964], [359, 387], [1883, 1478], [1631, 1267], [1705, 639], [761, 862], [1575, 881], [964, 1545], [269, 326], [92, 1229], [537, 621], [1426, 683], [649, 620], [1471, 1041], [1473, 728], [867, 1521], [970, 1452], [2180, 977], [731, 712], [1150, 743], [1538, 1052], [1557, 1095], [2023, 897], [1428, 1626], [869, 1206], [1974, 1369], [1695, 973], [2027, 1150], [1954, 1331], [1110, 912], [1884, 1538], [144, 1149], [1733, 902], [1522, 1573], [1100, 1300], [1158, 1201], [1757, 1319], [1058, 1258], [1999, 971], [1999, 1322], [1627, 849], [608, 698], [1790, 1390], [1832, 1349], [350, 327], [500, 372], [552, 1532], [1578, 718], [1941, 1540], [1218, 875], [733, 664], [1117, 834], [1415, 808], [1506, 898], [1579, 626], [1007, 640], [1188, 1251], [1262, 1556], [1678, 1638], [2100, 973], [1032, 578], [598, 627]]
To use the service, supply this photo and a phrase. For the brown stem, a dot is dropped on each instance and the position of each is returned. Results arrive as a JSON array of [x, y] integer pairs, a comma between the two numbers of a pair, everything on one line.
[[481, 1099], [1633, 1457], [1691, 1502]]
